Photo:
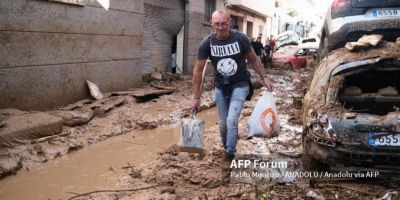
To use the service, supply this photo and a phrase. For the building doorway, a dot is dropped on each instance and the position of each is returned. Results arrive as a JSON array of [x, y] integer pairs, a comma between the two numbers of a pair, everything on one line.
[[249, 30], [162, 22]]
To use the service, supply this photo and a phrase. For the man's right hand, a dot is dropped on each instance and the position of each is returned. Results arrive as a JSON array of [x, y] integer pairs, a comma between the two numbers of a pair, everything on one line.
[[195, 104], [197, 78]]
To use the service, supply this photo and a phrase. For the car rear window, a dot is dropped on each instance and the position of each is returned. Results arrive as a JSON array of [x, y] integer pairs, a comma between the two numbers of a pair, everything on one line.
[[309, 40]]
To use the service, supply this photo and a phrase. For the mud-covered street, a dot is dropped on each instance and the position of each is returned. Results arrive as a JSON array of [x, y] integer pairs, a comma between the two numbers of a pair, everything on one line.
[[117, 99], [130, 152]]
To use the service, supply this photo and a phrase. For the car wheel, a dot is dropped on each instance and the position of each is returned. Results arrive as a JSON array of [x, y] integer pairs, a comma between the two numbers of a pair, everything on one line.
[[310, 163], [323, 49], [287, 66]]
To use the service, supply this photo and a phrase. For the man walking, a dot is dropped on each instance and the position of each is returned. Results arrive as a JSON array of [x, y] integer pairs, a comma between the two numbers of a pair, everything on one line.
[[228, 51], [272, 43], [268, 54], [257, 47]]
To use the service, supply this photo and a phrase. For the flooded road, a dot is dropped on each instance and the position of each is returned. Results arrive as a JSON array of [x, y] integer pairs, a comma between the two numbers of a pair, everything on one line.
[[93, 168], [96, 167]]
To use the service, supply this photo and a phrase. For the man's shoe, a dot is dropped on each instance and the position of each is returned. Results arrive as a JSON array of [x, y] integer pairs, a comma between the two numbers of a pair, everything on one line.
[[229, 157], [226, 163]]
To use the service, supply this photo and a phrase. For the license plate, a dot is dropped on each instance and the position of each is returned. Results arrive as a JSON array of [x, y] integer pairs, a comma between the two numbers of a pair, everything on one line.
[[386, 13], [379, 139]]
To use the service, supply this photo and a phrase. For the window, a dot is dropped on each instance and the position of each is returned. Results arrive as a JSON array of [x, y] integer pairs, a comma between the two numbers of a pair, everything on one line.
[[309, 40], [209, 8], [234, 23]]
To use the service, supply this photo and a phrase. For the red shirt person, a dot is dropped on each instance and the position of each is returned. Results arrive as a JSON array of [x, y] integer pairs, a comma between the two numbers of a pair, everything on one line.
[[271, 42]]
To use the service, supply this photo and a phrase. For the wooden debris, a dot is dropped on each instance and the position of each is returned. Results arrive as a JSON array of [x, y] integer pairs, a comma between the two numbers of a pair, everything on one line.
[[77, 105], [103, 106], [145, 93], [162, 87]]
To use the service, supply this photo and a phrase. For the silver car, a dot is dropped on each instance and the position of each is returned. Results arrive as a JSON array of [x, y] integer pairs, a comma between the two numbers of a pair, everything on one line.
[[348, 20], [351, 112], [287, 38]]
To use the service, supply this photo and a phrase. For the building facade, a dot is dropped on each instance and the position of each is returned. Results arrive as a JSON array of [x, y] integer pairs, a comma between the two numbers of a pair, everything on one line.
[[50, 48]]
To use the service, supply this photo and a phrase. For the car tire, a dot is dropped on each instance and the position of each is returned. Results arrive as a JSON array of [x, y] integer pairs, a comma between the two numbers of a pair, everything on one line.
[[310, 163]]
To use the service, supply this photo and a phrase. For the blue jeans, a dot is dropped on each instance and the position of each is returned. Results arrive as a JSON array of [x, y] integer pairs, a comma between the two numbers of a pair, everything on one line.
[[229, 109]]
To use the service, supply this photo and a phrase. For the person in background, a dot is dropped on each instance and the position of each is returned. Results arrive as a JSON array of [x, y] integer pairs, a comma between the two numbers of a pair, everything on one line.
[[228, 51], [268, 54], [253, 41], [258, 47], [271, 42]]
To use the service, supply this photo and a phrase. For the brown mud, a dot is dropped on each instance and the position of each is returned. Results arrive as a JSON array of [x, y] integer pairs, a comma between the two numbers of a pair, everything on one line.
[[180, 175]]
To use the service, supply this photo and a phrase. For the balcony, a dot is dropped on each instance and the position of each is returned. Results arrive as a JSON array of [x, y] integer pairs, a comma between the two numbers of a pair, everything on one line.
[[259, 7]]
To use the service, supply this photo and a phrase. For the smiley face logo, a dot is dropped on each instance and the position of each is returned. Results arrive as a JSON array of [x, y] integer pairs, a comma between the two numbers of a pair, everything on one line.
[[227, 67]]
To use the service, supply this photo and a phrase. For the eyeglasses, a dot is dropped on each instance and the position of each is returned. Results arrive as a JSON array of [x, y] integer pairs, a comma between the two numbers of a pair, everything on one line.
[[220, 25]]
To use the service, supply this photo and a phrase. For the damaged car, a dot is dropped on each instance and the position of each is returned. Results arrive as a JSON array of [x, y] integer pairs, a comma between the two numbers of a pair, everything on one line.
[[290, 57], [351, 112]]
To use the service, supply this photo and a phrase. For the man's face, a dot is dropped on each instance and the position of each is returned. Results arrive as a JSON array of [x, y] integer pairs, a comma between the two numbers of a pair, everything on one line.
[[221, 24]]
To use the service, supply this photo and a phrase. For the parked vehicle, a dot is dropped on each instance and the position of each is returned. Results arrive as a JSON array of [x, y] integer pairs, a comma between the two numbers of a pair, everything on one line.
[[348, 20], [312, 42], [351, 112], [287, 38], [293, 57]]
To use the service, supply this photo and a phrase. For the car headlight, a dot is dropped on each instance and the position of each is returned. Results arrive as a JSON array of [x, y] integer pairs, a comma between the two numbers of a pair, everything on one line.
[[326, 133]]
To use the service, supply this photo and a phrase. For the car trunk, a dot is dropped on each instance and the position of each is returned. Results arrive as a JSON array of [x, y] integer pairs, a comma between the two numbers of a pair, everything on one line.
[[375, 91]]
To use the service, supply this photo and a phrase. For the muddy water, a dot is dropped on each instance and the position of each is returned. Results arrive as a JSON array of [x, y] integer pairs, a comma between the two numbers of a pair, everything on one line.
[[210, 117], [93, 168], [96, 167]]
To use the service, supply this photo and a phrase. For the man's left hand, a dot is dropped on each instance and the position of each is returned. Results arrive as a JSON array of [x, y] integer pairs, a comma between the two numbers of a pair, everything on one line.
[[268, 84]]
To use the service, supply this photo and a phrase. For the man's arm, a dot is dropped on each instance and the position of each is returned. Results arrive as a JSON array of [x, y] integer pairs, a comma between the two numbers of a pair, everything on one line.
[[257, 65], [197, 74]]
